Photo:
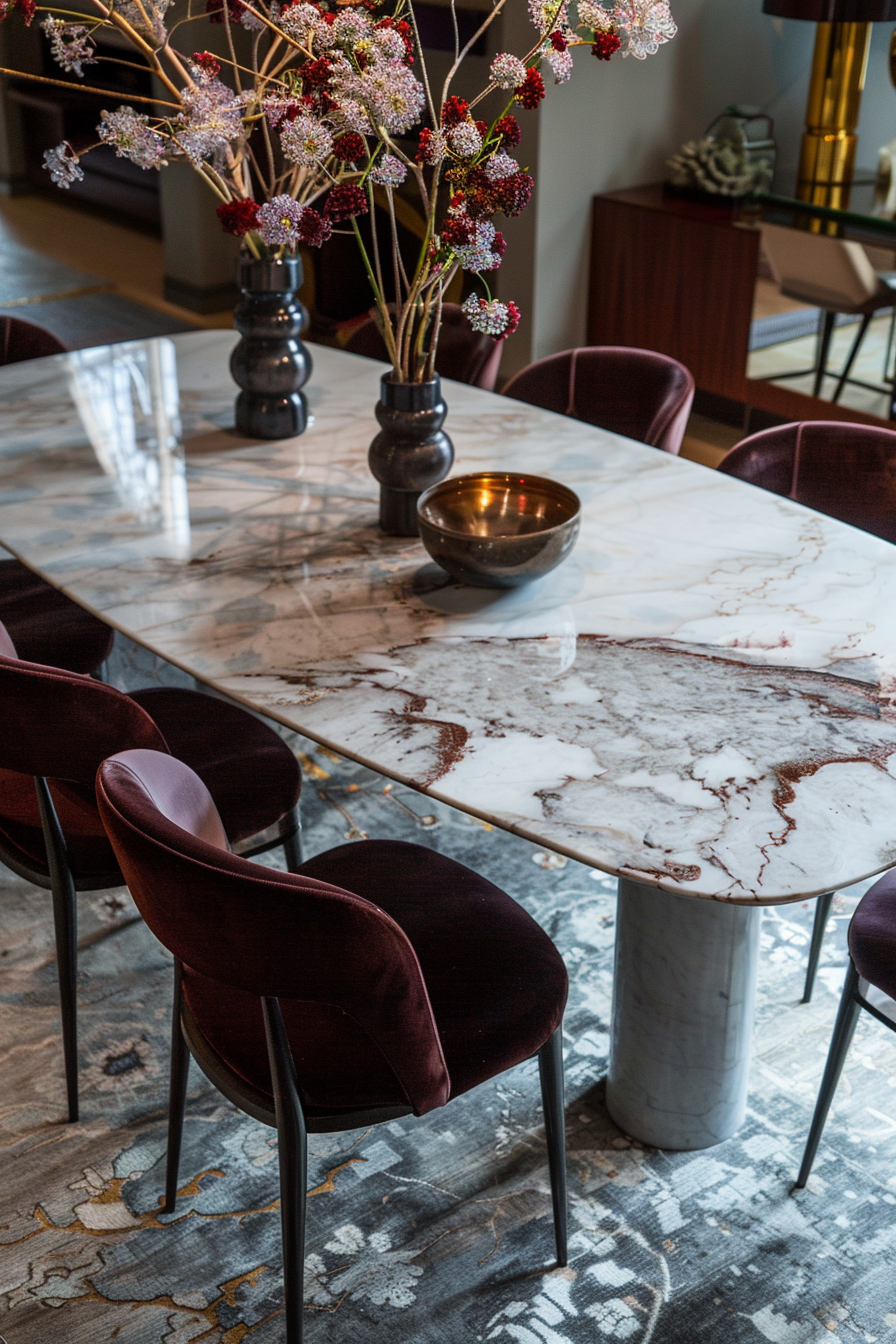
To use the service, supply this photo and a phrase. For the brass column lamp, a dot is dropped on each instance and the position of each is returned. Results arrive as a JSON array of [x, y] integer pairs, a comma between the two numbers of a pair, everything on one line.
[[842, 39]]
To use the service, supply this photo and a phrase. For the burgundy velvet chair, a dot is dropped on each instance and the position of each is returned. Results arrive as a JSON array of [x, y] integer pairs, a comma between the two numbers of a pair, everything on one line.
[[872, 964], [379, 980], [846, 471], [463, 354], [55, 729], [46, 626], [23, 340], [638, 393]]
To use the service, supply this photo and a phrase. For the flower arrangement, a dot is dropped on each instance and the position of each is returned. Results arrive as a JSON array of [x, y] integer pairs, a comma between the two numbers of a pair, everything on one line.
[[334, 108]]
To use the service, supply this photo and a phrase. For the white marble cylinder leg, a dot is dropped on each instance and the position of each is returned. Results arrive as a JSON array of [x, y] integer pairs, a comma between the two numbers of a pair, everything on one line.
[[682, 1027]]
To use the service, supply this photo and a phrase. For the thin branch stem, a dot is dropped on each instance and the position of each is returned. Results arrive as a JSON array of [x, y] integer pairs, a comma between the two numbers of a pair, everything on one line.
[[85, 88]]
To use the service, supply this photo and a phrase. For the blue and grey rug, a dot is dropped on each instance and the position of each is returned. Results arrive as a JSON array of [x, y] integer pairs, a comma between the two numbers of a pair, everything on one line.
[[438, 1230]]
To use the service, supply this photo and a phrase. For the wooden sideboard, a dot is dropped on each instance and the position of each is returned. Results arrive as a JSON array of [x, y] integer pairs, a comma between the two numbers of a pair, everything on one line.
[[678, 276]]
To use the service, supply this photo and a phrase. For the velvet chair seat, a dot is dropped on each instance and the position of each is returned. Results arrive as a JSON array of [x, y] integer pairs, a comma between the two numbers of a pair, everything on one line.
[[57, 726], [639, 393], [378, 979], [495, 998], [247, 768], [46, 626], [250, 772], [872, 935]]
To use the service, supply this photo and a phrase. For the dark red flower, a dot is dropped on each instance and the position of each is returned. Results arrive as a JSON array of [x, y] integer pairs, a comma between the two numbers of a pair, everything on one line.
[[345, 201], [424, 152], [454, 111], [314, 229], [482, 128], [513, 321], [350, 148], [499, 245], [215, 10], [317, 73], [604, 45], [456, 231], [558, 41], [27, 9], [513, 194], [207, 62], [531, 91], [509, 130], [238, 217]]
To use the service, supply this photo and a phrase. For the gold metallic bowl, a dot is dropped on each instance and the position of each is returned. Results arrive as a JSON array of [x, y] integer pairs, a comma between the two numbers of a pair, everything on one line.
[[498, 529]]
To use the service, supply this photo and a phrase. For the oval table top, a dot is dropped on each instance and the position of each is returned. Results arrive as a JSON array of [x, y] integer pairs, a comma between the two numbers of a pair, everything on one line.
[[701, 697]]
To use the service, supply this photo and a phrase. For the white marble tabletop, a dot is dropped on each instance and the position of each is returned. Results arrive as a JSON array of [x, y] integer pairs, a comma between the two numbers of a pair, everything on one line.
[[701, 697]]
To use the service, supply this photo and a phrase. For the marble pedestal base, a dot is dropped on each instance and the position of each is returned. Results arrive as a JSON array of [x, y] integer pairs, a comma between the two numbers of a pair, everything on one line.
[[682, 1027]]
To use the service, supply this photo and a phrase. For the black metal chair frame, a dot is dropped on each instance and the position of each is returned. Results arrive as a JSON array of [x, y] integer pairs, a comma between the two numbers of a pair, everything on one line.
[[293, 1127], [826, 321], [851, 1000], [64, 888]]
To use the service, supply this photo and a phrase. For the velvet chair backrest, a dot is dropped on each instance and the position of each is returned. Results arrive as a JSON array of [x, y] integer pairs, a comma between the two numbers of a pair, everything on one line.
[[268, 933], [23, 340], [61, 724], [638, 393], [463, 354], [846, 471]]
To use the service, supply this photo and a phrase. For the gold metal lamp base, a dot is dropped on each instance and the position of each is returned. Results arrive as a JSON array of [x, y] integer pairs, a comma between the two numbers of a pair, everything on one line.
[[828, 153]]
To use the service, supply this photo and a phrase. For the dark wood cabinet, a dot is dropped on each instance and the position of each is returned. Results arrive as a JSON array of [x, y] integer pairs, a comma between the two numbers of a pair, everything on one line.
[[675, 276], [679, 276]]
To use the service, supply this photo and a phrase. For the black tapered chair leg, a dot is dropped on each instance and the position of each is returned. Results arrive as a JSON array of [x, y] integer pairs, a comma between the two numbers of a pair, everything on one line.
[[844, 1027], [292, 1142], [847, 367], [292, 847], [822, 910], [65, 921], [550, 1070], [177, 1093], [825, 329]]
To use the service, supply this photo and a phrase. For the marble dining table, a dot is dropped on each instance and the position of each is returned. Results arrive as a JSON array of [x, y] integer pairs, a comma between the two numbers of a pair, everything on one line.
[[701, 700]]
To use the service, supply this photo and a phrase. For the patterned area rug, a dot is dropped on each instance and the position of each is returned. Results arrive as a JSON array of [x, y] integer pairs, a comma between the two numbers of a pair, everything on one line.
[[437, 1230]]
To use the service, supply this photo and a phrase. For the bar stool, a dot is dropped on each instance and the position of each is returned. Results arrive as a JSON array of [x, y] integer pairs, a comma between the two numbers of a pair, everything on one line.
[[55, 729], [639, 393], [379, 980]]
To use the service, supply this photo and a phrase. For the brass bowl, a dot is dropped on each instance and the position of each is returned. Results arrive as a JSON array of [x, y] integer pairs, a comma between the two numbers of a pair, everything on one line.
[[498, 529]]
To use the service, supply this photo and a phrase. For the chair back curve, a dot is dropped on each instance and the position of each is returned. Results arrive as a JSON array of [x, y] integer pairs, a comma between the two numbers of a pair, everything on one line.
[[268, 933], [638, 393], [844, 470], [62, 725]]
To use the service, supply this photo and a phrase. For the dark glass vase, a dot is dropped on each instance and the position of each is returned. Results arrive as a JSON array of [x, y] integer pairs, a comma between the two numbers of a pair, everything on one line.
[[270, 363], [411, 451]]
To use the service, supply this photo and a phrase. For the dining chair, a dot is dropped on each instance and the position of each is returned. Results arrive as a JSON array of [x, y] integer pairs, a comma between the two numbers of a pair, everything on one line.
[[20, 340], [639, 393], [834, 275], [55, 729], [846, 471], [379, 980], [48, 627], [872, 965], [463, 354]]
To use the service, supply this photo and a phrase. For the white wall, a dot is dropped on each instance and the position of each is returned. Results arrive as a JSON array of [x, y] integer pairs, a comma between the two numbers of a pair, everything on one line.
[[615, 124]]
